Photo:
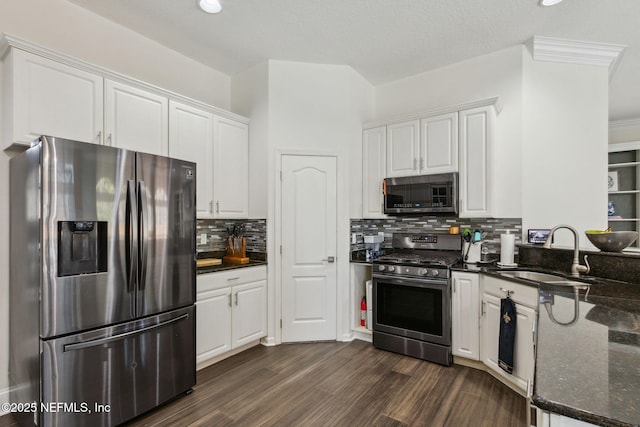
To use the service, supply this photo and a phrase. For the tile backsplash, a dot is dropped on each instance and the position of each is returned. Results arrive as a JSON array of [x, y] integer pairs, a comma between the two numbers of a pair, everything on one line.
[[216, 231], [494, 227]]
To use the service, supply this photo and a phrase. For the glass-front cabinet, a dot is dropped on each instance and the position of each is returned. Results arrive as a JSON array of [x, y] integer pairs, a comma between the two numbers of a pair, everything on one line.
[[624, 187]]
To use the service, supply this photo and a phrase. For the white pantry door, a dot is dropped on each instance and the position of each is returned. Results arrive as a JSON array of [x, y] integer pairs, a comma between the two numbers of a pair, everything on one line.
[[308, 232]]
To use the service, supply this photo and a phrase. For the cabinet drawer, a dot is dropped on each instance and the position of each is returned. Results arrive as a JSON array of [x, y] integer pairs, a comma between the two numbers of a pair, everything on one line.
[[225, 279], [521, 294]]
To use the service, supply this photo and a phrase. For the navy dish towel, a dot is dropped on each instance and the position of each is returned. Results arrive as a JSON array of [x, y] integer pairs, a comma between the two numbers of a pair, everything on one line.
[[507, 334]]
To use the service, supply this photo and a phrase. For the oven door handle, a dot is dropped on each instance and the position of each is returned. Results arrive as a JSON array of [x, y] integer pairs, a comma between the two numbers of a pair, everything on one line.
[[410, 281]]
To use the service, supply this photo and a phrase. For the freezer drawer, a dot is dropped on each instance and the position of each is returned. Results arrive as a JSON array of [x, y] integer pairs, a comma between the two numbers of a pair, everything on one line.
[[107, 376]]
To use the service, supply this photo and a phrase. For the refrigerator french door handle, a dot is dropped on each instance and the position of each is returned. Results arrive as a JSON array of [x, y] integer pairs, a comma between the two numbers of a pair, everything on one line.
[[142, 194], [101, 341], [131, 242]]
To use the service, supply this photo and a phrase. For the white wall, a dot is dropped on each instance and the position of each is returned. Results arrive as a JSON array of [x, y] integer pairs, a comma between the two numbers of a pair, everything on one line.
[[321, 108], [564, 167], [250, 98], [314, 108], [71, 30]]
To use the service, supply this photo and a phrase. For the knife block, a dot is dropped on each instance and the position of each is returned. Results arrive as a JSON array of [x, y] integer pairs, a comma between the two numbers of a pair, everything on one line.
[[236, 255]]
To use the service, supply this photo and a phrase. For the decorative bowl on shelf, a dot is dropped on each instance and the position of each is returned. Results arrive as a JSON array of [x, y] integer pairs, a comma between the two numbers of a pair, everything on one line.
[[611, 241]]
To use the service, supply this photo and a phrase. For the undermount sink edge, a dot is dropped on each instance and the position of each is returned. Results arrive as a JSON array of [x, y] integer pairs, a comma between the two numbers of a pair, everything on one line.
[[539, 277]]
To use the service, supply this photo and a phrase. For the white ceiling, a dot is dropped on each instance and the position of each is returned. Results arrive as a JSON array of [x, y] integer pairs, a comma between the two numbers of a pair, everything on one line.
[[383, 40]]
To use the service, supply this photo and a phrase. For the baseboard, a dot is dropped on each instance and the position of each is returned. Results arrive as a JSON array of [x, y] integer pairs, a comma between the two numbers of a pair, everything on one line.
[[268, 341], [226, 355]]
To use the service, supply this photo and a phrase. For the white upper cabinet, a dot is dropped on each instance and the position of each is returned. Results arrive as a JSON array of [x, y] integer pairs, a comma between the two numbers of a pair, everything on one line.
[[231, 168], [439, 144], [191, 138], [374, 146], [403, 147], [44, 97], [476, 134], [136, 119]]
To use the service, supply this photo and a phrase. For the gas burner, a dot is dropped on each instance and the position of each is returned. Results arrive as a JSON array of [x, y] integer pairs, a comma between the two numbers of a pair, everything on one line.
[[435, 259]]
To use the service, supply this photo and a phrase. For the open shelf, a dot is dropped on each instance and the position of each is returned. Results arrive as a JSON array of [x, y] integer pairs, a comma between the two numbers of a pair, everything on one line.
[[624, 170]]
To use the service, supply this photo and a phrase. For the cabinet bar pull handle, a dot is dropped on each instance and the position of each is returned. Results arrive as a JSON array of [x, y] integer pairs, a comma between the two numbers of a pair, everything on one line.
[[217, 206], [236, 298], [507, 291], [99, 137], [231, 279]]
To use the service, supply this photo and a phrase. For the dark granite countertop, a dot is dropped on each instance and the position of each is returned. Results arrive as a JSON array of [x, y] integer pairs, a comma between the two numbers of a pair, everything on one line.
[[255, 259], [589, 370]]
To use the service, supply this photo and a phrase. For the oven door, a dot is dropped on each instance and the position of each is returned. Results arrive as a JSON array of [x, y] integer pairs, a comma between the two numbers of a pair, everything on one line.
[[413, 308]]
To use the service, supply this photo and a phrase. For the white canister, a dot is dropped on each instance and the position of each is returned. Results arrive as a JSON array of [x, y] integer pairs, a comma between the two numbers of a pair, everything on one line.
[[507, 248]]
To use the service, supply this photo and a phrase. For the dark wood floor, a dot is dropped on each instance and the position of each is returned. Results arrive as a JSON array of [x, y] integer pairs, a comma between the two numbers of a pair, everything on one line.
[[338, 384]]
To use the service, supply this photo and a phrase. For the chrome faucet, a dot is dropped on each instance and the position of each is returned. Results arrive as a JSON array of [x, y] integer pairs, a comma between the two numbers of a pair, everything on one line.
[[576, 267]]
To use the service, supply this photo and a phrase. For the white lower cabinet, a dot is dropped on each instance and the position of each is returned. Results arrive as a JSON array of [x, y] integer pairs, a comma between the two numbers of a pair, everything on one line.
[[213, 324], [465, 321], [526, 299], [231, 311], [549, 419], [475, 325]]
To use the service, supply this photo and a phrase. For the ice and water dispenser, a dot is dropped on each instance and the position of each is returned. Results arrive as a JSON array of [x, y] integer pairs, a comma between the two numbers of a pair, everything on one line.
[[82, 247]]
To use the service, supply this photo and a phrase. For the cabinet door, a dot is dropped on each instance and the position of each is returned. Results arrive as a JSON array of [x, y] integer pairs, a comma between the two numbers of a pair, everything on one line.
[[231, 168], [249, 312], [374, 143], [191, 138], [213, 324], [523, 353], [465, 333], [136, 119], [475, 139], [439, 144], [403, 146], [45, 97]]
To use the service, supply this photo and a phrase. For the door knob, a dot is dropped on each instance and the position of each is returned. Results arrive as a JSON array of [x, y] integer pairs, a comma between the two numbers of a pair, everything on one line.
[[330, 259]]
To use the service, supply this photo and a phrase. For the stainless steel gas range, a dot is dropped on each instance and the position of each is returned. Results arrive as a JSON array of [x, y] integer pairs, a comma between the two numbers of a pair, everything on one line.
[[412, 296]]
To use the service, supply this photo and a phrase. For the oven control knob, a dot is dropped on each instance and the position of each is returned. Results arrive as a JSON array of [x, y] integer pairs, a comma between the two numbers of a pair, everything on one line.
[[435, 273], [423, 272], [381, 268], [391, 268]]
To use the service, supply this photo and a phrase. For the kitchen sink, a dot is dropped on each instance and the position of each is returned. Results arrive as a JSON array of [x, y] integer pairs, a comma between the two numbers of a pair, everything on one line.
[[546, 278], [532, 275]]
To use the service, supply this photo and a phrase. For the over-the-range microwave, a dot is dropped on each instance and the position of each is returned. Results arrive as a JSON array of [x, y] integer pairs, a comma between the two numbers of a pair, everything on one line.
[[423, 194]]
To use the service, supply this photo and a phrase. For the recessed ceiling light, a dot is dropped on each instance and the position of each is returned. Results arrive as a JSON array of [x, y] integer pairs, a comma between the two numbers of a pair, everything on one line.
[[549, 2], [210, 6]]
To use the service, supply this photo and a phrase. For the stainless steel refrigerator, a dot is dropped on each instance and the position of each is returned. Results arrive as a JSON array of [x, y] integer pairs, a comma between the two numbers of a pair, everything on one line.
[[102, 282]]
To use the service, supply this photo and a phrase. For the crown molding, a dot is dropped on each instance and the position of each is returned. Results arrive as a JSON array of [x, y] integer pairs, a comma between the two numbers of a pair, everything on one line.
[[577, 52], [625, 124], [495, 102]]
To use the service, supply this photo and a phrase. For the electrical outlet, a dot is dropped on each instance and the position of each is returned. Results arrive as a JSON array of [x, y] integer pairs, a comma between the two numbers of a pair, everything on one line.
[[203, 238]]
